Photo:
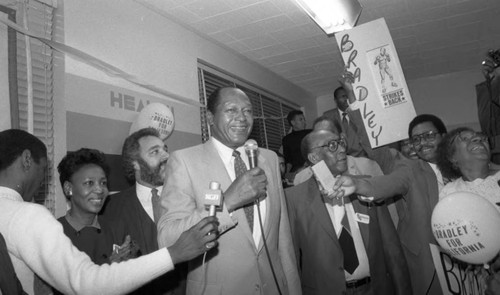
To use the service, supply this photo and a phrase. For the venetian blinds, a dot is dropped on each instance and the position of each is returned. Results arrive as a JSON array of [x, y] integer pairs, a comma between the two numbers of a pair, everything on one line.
[[35, 75], [270, 124]]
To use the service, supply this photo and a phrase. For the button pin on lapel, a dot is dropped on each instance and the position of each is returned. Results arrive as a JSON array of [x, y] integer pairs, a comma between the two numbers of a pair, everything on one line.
[[362, 218]]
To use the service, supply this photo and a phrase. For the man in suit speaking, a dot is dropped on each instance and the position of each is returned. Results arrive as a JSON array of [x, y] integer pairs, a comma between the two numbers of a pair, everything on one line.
[[240, 264]]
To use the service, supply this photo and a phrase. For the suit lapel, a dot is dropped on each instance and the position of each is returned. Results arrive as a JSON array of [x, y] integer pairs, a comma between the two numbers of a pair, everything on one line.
[[364, 229], [319, 210], [213, 162]]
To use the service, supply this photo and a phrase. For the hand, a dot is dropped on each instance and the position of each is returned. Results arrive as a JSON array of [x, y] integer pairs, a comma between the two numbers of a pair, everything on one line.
[[127, 250], [197, 240], [344, 186], [346, 80], [245, 189], [490, 68]]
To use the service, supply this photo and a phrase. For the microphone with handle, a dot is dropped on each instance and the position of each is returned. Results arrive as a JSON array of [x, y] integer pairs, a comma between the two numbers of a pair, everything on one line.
[[213, 198], [251, 149]]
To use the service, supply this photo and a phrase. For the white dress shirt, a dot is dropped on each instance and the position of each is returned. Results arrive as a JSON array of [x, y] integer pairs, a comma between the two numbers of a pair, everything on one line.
[[144, 195], [226, 155]]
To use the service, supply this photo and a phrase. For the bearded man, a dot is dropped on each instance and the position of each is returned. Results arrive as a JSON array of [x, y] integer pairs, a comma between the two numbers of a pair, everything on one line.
[[131, 211]]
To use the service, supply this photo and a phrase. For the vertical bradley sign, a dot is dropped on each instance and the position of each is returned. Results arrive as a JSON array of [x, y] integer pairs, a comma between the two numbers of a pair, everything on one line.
[[380, 87]]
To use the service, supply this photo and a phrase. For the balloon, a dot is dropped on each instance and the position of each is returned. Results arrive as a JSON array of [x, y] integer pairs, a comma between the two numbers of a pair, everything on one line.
[[155, 115], [467, 227]]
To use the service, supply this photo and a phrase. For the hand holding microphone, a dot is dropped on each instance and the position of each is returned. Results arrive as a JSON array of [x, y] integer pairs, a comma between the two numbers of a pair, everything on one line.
[[249, 186]]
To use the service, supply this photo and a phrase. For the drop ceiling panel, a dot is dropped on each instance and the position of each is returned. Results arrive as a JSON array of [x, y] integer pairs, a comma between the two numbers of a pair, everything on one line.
[[431, 37]]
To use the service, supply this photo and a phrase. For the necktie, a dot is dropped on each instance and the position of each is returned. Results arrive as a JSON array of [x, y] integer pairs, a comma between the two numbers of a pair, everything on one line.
[[351, 261], [239, 169], [345, 122], [155, 201]]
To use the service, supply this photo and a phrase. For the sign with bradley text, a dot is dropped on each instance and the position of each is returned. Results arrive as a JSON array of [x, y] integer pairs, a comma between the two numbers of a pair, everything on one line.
[[458, 278], [380, 87]]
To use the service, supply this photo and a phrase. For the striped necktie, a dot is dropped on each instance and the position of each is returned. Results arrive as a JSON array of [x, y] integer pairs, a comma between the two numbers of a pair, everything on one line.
[[239, 169]]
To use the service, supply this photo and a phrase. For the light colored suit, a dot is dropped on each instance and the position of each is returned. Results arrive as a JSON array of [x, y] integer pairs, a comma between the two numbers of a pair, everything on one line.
[[236, 266]]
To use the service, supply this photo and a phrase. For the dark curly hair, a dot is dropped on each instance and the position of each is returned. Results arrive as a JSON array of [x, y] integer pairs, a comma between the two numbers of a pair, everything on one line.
[[73, 161], [445, 152], [130, 150]]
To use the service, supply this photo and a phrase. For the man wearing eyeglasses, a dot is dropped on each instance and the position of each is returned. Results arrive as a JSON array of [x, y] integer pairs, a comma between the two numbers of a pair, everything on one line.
[[342, 246], [418, 182]]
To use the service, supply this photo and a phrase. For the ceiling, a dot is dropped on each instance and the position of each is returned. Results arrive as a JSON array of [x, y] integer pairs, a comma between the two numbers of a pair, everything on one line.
[[432, 37]]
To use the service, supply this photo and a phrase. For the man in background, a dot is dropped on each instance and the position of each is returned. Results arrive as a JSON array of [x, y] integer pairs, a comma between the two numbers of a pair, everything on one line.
[[291, 142], [341, 115], [488, 102], [343, 245], [131, 211], [240, 265]]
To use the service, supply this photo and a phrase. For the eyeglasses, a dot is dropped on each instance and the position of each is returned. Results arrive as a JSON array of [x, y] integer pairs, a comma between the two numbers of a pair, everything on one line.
[[427, 136], [468, 136], [333, 145]]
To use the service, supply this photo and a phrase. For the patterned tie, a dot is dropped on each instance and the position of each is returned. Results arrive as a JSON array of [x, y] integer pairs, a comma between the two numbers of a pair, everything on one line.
[[155, 201], [345, 123], [239, 169], [351, 261]]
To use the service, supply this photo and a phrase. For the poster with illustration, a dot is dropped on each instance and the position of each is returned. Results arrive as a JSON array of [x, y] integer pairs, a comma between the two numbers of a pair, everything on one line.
[[380, 87]]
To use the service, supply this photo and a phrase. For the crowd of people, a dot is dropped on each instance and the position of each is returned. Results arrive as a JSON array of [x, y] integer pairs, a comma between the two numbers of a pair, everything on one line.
[[328, 232]]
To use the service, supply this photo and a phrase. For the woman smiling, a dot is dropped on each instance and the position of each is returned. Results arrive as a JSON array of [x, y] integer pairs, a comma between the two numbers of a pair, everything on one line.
[[83, 175], [464, 157]]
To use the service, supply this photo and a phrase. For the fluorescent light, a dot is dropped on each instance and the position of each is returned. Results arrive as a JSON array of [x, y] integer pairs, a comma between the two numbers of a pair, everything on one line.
[[332, 15]]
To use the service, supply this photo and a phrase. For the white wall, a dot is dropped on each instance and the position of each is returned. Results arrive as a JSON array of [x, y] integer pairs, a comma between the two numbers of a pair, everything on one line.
[[452, 97], [156, 50]]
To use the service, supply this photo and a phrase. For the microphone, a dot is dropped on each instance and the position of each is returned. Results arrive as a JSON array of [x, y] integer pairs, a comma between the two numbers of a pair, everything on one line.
[[213, 198], [251, 148]]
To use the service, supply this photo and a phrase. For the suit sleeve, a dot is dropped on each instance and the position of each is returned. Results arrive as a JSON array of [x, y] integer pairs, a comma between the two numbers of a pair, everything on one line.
[[180, 208], [292, 217], [393, 253], [285, 242], [382, 187]]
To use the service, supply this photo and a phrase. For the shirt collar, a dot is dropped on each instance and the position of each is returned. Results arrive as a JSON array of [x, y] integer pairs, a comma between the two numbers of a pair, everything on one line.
[[8, 193], [225, 152], [143, 190], [76, 225]]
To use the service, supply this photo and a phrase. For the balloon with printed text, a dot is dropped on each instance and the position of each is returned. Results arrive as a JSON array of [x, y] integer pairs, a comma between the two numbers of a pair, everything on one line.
[[466, 226], [155, 115]]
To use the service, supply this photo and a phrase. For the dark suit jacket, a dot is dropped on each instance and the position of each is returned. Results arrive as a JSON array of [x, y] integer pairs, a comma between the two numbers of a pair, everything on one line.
[[416, 182], [354, 147], [488, 111], [9, 283], [319, 254], [124, 212]]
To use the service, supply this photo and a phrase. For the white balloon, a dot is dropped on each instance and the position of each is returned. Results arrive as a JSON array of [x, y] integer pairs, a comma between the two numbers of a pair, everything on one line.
[[467, 227], [155, 115]]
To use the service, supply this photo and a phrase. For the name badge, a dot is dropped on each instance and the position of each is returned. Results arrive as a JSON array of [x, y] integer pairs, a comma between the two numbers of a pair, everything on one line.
[[363, 218]]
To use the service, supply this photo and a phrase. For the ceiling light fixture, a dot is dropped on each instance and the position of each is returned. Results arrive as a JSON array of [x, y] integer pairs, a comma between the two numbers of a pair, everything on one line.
[[332, 15]]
